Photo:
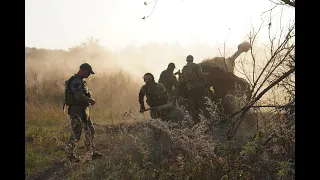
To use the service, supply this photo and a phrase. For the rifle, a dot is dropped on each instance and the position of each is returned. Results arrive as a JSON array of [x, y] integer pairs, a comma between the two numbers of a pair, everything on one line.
[[177, 73], [165, 106]]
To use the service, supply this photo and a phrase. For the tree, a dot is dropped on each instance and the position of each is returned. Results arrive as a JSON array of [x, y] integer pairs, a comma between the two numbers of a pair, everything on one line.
[[277, 72]]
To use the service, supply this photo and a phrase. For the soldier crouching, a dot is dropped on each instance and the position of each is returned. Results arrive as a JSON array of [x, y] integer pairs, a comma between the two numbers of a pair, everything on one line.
[[156, 96]]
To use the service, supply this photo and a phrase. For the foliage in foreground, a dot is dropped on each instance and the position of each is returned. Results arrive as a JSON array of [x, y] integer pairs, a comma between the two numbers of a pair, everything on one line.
[[184, 150]]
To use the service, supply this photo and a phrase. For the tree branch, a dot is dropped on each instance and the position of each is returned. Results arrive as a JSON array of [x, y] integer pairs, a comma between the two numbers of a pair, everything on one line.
[[290, 3], [235, 126]]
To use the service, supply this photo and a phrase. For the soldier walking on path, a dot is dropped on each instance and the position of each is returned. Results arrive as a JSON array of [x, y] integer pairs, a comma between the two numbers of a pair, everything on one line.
[[78, 99]]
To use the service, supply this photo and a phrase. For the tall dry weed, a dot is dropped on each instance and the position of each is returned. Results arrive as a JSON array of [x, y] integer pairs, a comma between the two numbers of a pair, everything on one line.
[[157, 149]]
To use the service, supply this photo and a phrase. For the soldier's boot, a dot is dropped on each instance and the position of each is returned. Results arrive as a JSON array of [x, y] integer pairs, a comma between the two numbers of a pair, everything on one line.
[[73, 158], [69, 150], [90, 146]]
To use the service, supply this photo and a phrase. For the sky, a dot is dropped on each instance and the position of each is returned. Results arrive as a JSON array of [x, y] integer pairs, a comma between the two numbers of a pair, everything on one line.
[[197, 25], [61, 24]]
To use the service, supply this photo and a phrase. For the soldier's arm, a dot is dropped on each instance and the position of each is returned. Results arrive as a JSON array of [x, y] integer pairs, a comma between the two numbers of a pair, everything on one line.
[[161, 79], [76, 87], [200, 73], [182, 79], [141, 96], [161, 89], [175, 82]]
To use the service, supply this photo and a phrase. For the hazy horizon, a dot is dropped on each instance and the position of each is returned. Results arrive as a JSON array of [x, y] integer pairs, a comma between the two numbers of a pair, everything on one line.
[[57, 24], [174, 30]]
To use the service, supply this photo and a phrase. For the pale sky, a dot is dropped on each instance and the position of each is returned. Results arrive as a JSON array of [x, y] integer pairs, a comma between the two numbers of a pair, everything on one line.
[[60, 24]]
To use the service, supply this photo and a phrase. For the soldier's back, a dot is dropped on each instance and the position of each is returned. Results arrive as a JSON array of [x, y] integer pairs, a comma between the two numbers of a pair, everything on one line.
[[191, 76]]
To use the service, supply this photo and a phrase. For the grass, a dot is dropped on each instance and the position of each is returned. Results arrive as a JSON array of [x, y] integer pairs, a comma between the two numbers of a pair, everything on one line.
[[45, 122], [137, 148], [40, 148]]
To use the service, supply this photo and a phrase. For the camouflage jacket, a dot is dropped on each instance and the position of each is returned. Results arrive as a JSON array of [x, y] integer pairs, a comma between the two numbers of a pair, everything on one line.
[[155, 93], [168, 80], [192, 74], [77, 92]]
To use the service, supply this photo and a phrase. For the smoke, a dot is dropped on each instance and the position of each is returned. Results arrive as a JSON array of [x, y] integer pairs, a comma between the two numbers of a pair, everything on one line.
[[56, 66], [132, 59], [155, 57]]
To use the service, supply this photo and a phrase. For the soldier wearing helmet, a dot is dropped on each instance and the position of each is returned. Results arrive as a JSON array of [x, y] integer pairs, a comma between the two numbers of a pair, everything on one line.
[[169, 81], [156, 96], [195, 81]]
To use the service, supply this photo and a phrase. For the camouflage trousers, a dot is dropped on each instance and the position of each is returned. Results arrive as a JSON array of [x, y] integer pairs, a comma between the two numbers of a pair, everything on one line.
[[197, 102], [80, 119]]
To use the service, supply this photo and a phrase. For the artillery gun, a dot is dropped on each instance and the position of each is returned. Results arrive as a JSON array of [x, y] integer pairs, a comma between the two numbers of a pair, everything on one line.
[[222, 83]]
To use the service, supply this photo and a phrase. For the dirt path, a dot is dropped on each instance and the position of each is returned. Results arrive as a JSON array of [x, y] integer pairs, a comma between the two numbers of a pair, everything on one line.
[[59, 170], [56, 171]]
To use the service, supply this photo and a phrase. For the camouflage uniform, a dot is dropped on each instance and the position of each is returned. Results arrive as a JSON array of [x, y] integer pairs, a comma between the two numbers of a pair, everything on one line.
[[195, 81], [168, 80], [77, 98], [156, 96]]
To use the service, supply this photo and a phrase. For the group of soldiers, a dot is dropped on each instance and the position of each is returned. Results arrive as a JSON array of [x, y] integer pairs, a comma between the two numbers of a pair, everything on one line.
[[78, 98], [190, 85]]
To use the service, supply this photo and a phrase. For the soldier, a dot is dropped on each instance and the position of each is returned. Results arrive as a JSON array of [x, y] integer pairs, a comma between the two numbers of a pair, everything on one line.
[[156, 96], [78, 99], [194, 78], [169, 81]]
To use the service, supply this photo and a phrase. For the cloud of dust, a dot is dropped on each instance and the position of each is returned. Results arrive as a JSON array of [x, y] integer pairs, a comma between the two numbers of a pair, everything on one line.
[[155, 57], [133, 59]]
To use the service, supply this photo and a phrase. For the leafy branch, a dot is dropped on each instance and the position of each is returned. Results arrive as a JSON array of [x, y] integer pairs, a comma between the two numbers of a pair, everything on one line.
[[145, 3]]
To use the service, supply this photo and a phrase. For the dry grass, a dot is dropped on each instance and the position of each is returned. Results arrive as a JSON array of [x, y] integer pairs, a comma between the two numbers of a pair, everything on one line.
[[115, 94], [139, 149]]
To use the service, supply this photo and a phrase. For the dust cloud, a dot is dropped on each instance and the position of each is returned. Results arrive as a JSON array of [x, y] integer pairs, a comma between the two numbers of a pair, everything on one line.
[[45, 64], [133, 60]]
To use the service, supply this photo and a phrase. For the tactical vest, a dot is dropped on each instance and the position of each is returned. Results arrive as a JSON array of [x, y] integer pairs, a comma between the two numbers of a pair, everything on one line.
[[70, 98], [190, 73], [191, 76], [156, 96], [167, 81]]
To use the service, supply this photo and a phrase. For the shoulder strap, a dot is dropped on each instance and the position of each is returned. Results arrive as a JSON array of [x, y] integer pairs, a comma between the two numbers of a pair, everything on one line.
[[146, 89], [66, 91]]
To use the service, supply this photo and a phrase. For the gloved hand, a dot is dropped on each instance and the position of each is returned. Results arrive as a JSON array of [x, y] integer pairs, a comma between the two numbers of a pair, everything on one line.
[[142, 109]]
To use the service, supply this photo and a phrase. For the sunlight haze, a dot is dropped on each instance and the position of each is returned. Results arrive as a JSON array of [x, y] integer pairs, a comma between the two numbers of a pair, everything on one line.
[[226, 113], [60, 24], [174, 30]]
